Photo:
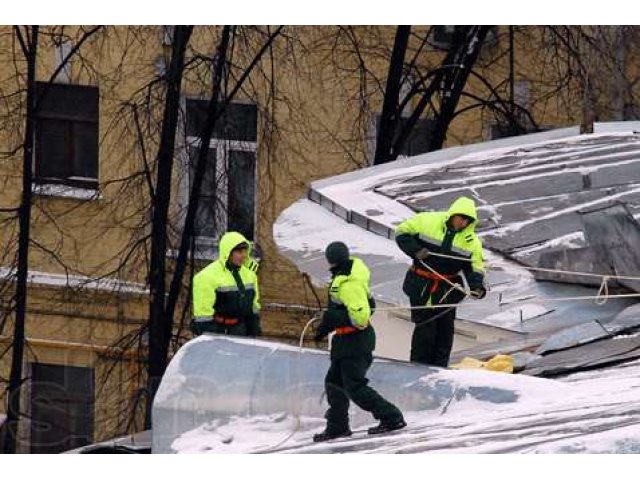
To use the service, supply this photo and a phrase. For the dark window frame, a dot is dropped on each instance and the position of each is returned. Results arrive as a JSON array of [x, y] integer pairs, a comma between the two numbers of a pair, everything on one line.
[[75, 170], [417, 141], [441, 38], [62, 400], [228, 140]]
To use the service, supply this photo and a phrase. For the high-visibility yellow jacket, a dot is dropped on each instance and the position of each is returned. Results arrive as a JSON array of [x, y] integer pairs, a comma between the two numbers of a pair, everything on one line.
[[351, 292], [223, 289], [351, 304], [430, 230]]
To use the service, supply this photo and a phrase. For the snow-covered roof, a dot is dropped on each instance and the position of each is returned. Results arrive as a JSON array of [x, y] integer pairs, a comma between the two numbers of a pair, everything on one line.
[[529, 190], [229, 395], [139, 442], [235, 395]]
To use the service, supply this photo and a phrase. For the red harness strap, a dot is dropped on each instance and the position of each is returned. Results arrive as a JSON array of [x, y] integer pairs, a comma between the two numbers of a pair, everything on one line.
[[225, 320], [345, 330], [437, 278]]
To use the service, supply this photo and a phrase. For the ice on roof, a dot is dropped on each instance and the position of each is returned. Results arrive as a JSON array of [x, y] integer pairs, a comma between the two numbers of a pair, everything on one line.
[[255, 396]]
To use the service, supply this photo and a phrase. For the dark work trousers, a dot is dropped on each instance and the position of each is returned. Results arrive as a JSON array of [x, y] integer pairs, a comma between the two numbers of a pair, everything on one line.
[[346, 381], [432, 339]]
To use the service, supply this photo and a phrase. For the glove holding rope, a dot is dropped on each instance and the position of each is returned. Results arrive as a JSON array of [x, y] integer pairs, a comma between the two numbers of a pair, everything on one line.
[[479, 293], [331, 319], [422, 254]]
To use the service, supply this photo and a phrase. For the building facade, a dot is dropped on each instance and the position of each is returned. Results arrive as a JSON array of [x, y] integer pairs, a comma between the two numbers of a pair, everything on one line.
[[307, 111]]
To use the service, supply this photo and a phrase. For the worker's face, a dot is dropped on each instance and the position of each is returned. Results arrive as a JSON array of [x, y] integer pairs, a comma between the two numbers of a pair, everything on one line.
[[238, 256], [458, 222]]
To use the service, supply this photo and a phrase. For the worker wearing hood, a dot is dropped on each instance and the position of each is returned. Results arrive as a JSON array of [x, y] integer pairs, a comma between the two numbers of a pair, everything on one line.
[[450, 233], [226, 297]]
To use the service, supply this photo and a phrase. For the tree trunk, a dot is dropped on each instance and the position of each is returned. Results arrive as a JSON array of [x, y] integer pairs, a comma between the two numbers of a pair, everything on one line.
[[30, 46], [436, 76], [214, 110], [390, 117], [468, 52], [159, 333]]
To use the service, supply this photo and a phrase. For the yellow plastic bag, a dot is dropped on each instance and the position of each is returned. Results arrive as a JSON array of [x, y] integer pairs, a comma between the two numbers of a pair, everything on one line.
[[468, 363], [499, 363]]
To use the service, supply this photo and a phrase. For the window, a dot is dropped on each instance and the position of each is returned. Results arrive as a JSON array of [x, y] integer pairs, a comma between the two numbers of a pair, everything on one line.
[[210, 205], [490, 45], [497, 130], [522, 93], [228, 193], [239, 122], [62, 54], [444, 35], [417, 141], [501, 128], [66, 149], [62, 405], [241, 195]]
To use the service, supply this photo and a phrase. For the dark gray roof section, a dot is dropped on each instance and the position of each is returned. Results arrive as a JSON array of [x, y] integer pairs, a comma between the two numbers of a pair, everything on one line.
[[531, 196], [588, 332], [595, 354], [612, 237], [534, 195]]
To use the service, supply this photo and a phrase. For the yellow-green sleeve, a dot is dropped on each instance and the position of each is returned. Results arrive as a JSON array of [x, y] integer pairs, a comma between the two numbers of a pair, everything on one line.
[[256, 297], [355, 298], [204, 297]]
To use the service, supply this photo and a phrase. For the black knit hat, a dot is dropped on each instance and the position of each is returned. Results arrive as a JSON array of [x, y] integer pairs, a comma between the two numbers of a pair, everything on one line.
[[337, 253]]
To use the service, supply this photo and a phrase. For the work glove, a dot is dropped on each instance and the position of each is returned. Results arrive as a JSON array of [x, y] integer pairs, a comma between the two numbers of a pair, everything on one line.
[[479, 293], [332, 318], [372, 305], [195, 328], [252, 264], [422, 254], [324, 328], [253, 325]]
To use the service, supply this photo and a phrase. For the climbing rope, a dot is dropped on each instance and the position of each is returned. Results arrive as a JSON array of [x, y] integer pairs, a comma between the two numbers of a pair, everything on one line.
[[603, 292], [297, 404], [599, 299], [546, 270], [445, 279]]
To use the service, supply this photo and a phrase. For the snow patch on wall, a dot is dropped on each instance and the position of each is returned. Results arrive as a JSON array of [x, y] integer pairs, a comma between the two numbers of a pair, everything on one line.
[[77, 281]]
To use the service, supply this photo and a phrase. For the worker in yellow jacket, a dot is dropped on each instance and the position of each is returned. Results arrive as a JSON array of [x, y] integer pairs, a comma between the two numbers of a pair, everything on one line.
[[349, 316], [442, 245], [226, 297]]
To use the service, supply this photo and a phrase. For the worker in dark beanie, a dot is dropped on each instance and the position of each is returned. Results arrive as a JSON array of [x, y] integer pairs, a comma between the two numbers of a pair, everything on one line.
[[337, 253], [349, 316]]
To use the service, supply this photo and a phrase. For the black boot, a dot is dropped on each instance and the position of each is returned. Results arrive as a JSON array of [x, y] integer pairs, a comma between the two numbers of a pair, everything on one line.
[[388, 426], [330, 434]]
